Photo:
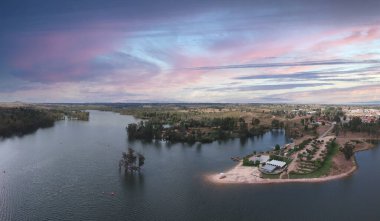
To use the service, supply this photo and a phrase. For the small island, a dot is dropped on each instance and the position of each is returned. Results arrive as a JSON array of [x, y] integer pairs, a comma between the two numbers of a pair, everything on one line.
[[18, 119]]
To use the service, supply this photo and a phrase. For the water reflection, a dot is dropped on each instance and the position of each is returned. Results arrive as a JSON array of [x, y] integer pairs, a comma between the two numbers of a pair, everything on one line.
[[243, 141], [132, 180]]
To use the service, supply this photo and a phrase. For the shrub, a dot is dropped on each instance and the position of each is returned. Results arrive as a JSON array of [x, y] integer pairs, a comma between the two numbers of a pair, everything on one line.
[[277, 147]]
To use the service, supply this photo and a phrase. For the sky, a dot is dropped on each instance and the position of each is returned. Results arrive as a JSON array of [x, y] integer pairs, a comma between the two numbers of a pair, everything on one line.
[[320, 51]]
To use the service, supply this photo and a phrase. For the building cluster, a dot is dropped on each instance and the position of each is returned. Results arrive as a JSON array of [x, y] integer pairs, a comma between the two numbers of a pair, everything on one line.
[[366, 115], [268, 166]]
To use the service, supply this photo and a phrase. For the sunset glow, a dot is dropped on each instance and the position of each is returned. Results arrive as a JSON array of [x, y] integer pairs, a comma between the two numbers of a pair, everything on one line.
[[182, 51]]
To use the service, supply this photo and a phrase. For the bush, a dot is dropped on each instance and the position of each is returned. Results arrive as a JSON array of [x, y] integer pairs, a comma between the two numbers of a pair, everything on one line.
[[277, 147], [249, 163]]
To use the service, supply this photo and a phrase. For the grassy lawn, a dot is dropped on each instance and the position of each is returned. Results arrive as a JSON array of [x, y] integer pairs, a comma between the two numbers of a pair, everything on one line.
[[271, 176], [322, 171]]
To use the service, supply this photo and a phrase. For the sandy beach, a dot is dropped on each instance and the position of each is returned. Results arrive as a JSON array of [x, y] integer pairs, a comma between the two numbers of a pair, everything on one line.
[[251, 175]]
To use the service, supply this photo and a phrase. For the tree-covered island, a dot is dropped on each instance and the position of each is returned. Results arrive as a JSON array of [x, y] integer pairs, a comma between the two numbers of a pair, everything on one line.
[[25, 119]]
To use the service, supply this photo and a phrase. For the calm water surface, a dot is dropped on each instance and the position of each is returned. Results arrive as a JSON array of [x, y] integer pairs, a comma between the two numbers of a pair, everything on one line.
[[67, 172]]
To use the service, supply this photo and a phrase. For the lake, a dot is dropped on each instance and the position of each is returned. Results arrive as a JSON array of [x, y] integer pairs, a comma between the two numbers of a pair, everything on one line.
[[67, 172]]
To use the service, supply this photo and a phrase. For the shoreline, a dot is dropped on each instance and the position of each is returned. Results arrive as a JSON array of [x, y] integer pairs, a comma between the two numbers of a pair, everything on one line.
[[214, 178], [250, 175]]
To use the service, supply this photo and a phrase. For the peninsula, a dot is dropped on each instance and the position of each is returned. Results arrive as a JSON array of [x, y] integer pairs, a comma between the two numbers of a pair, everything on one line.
[[325, 157]]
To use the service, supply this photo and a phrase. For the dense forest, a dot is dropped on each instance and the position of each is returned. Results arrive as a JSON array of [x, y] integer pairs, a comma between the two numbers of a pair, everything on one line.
[[23, 120], [203, 130], [20, 121], [77, 115]]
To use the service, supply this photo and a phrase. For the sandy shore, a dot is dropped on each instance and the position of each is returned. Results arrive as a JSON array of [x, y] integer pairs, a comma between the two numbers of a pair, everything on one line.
[[251, 175]]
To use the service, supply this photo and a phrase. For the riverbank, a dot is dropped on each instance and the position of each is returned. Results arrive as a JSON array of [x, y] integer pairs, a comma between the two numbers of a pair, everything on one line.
[[242, 175], [340, 168]]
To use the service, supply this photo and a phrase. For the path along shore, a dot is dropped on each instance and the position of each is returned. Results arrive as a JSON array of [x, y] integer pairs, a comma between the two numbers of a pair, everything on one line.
[[248, 175]]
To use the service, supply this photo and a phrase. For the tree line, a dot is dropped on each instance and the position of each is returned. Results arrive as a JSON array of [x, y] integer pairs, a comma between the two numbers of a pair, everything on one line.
[[203, 130], [357, 125], [21, 121]]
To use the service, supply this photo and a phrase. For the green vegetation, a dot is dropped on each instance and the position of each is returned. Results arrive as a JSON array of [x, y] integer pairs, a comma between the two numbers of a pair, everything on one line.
[[277, 147], [21, 121], [77, 115], [131, 162], [192, 130], [319, 168], [276, 123], [270, 176], [302, 145], [187, 121], [357, 125], [199, 122], [333, 113], [348, 150], [249, 163]]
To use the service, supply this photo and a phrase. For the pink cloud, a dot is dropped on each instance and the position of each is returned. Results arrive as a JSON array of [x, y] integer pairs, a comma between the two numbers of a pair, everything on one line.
[[364, 93], [60, 55], [356, 36]]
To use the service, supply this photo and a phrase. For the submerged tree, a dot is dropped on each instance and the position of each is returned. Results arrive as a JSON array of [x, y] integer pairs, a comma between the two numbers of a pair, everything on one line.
[[129, 161], [141, 160]]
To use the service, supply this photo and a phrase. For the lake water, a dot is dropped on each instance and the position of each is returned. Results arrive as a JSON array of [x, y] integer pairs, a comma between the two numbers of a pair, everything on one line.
[[67, 172]]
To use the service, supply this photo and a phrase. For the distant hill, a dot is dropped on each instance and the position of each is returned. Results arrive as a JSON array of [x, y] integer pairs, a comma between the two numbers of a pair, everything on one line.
[[14, 104]]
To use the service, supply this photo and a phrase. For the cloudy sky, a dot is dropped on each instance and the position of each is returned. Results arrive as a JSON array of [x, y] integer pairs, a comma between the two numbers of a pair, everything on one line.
[[321, 51]]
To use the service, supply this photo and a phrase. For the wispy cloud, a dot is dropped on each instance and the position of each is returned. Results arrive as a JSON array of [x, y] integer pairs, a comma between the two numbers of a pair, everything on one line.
[[288, 64], [269, 87], [356, 74], [367, 93]]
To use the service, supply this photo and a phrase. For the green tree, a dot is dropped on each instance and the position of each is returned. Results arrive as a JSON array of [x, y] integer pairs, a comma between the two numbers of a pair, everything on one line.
[[355, 123], [129, 161], [277, 147], [348, 150], [275, 123], [132, 130], [255, 121], [337, 130], [243, 129], [337, 118]]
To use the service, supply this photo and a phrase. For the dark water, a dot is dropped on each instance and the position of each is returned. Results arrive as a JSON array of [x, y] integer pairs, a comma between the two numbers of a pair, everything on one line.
[[68, 172]]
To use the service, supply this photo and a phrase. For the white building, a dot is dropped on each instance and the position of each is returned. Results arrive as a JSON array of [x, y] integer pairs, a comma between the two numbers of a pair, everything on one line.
[[276, 163]]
